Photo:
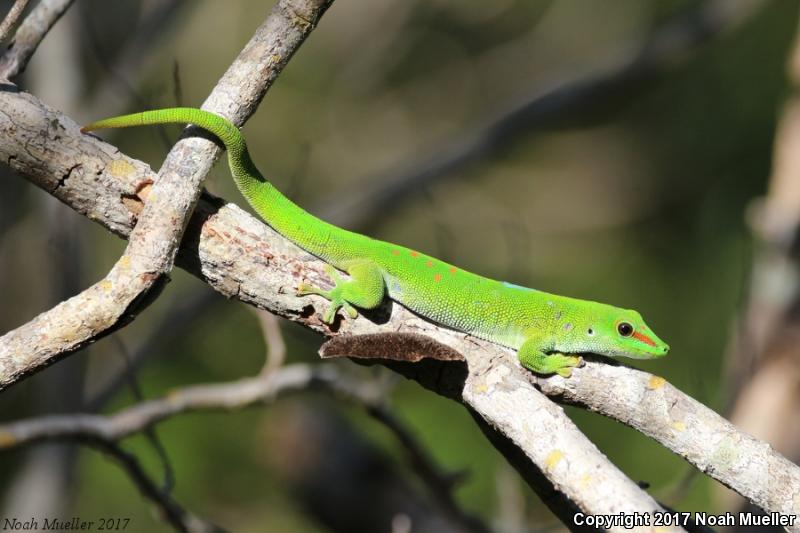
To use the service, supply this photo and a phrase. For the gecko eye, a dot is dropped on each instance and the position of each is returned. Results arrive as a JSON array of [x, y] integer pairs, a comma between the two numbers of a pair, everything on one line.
[[625, 329]]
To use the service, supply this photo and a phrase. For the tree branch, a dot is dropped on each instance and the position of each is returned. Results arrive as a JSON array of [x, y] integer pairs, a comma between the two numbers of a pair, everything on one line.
[[226, 396], [175, 515], [29, 34], [104, 432], [141, 271], [716, 447], [11, 19]]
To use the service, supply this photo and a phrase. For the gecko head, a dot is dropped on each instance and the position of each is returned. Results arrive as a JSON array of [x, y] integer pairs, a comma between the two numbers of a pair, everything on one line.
[[623, 333], [615, 332]]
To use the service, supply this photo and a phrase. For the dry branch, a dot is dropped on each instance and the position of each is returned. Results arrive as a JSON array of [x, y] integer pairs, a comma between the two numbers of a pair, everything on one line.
[[762, 360], [148, 259], [29, 35], [11, 18], [233, 395], [104, 432], [654, 407], [175, 515]]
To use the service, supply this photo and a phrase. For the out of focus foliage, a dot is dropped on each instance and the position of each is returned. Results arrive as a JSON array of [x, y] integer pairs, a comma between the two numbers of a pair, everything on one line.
[[638, 201]]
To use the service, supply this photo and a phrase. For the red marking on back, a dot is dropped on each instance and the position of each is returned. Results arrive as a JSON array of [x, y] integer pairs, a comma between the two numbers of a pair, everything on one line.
[[429, 263], [414, 254], [395, 252], [437, 277], [644, 338], [452, 270]]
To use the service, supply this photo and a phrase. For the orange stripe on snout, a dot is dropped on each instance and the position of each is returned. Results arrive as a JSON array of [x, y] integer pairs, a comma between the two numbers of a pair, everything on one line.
[[644, 338]]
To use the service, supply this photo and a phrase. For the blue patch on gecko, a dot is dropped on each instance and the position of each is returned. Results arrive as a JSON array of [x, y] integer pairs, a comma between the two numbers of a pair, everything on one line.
[[520, 287]]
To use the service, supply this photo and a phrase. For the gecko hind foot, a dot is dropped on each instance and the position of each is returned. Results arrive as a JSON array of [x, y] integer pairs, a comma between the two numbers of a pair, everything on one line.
[[364, 290], [333, 296]]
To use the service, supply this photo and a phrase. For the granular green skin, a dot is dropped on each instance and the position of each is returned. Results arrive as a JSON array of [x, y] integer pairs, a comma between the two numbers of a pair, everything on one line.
[[541, 327]]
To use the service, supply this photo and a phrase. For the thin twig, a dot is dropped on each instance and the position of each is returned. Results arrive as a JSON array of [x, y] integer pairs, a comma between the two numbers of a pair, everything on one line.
[[150, 433], [273, 338], [143, 416], [11, 19], [117, 88], [180, 519], [29, 35], [182, 314], [439, 484], [134, 419]]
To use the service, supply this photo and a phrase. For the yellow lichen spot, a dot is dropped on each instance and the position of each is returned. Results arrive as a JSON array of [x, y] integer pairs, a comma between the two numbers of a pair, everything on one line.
[[120, 168], [553, 458], [656, 382], [6, 439], [125, 261], [585, 481], [106, 285], [678, 426], [480, 387]]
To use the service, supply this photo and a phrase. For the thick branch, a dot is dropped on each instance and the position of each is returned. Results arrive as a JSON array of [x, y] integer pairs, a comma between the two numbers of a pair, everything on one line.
[[654, 407], [134, 279]]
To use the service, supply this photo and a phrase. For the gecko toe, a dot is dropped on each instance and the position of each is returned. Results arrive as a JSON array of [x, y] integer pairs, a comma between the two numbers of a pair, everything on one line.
[[351, 311]]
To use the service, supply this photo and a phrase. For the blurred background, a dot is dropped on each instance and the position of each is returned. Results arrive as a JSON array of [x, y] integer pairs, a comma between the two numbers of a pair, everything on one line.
[[633, 152]]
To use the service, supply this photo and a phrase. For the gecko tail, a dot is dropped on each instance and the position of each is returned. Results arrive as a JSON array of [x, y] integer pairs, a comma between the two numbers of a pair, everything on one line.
[[219, 126]]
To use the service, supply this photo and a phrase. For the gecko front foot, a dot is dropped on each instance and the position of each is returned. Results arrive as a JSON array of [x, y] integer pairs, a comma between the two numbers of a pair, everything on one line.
[[532, 358], [569, 362], [556, 363], [365, 290]]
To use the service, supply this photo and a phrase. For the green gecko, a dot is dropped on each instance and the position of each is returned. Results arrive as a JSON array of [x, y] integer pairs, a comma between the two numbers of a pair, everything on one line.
[[547, 331]]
